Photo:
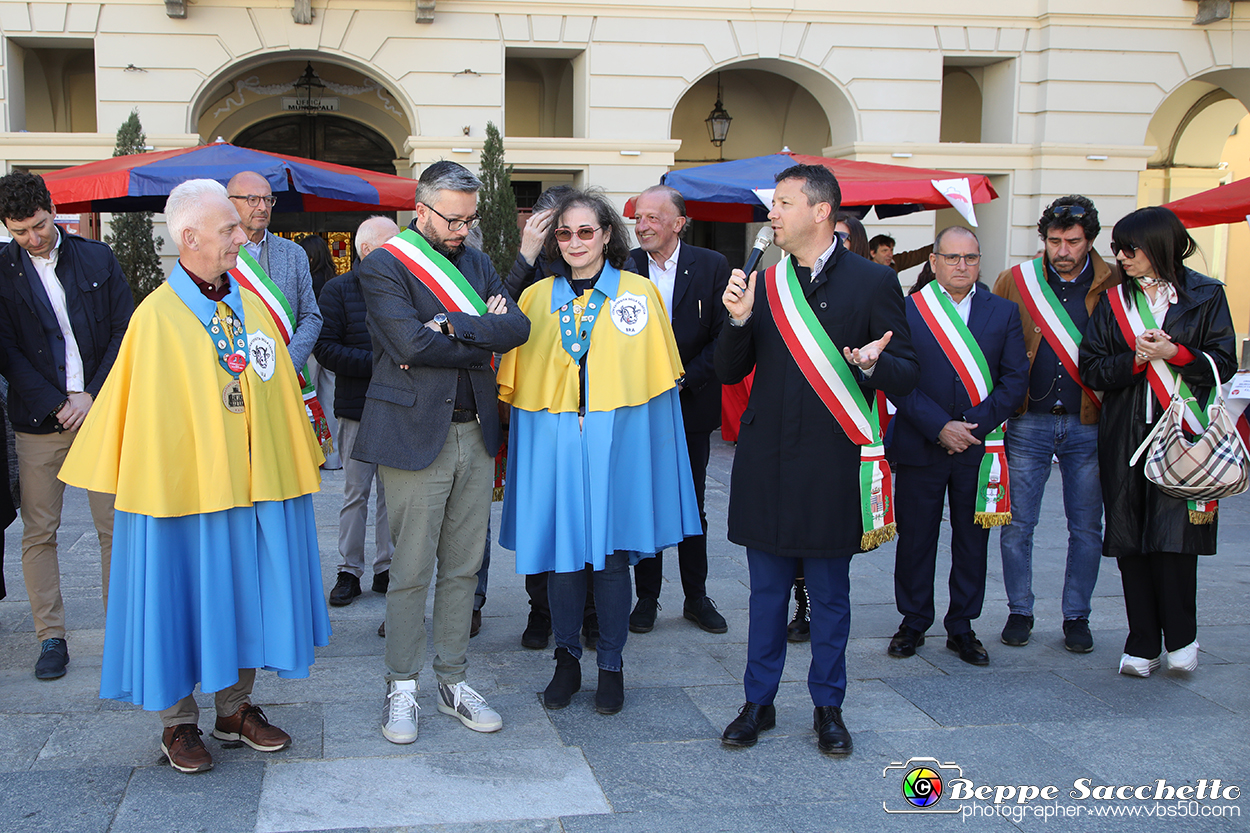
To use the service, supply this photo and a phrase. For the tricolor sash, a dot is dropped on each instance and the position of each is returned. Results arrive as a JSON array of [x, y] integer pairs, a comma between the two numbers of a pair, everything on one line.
[[436, 273], [250, 276], [1134, 320], [993, 506], [1053, 320], [830, 376]]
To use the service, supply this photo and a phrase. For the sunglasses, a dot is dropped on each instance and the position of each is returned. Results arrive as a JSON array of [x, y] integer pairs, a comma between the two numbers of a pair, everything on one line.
[[1128, 251], [564, 235], [845, 235], [1068, 211], [254, 200]]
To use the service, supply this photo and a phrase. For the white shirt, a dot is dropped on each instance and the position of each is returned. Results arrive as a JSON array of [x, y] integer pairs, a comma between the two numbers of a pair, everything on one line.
[[962, 307], [46, 269], [664, 275], [819, 265], [253, 249]]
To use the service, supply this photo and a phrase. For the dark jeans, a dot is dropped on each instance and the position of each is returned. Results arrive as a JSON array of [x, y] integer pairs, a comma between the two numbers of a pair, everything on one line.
[[567, 594]]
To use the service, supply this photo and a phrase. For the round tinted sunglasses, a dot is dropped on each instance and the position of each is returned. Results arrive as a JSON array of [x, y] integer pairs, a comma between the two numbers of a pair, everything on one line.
[[564, 235]]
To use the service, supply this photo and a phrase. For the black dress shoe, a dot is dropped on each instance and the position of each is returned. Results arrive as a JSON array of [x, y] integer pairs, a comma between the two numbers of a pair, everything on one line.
[[752, 719], [703, 613], [475, 624], [345, 589], [381, 581], [642, 620], [969, 648], [53, 657], [833, 737], [905, 642], [537, 631]]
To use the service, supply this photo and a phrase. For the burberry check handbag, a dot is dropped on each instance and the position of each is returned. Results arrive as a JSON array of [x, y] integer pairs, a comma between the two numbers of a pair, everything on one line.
[[1211, 466]]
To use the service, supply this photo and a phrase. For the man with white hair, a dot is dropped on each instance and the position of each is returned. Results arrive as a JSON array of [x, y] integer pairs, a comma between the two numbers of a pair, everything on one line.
[[201, 435], [345, 348]]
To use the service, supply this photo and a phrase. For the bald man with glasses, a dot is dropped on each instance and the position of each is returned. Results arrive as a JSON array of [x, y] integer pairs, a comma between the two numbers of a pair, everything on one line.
[[284, 261]]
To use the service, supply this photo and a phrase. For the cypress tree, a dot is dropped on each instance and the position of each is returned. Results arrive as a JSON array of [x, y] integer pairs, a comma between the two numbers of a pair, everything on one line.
[[501, 237], [132, 240]]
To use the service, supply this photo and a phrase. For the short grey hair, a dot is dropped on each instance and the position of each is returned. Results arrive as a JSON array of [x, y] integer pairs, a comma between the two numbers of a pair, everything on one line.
[[185, 205], [376, 230], [445, 175]]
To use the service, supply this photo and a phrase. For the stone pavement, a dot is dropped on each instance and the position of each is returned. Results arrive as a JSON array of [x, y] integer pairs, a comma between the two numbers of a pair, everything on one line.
[[1036, 716]]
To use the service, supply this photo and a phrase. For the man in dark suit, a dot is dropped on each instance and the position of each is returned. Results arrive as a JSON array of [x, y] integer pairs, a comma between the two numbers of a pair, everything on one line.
[[938, 441], [795, 494], [64, 307], [431, 424], [691, 281]]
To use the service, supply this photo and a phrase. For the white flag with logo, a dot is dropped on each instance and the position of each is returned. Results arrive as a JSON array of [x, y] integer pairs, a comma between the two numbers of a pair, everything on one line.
[[959, 194]]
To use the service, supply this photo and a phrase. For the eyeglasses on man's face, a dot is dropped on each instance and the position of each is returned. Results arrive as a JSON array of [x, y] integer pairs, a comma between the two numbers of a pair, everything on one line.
[[455, 225], [564, 235], [953, 260], [254, 200]]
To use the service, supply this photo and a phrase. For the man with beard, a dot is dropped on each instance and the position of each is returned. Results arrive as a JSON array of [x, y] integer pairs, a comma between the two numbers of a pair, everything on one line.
[[436, 312], [1056, 293]]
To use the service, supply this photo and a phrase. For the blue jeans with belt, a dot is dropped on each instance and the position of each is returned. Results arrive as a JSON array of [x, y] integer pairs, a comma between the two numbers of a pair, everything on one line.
[[1032, 440]]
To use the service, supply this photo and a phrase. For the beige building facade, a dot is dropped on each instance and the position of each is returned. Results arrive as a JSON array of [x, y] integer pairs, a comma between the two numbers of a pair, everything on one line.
[[1127, 101]]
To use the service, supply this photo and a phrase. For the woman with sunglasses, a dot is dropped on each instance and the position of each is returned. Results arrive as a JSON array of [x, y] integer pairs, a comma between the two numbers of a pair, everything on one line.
[[598, 471], [1144, 333]]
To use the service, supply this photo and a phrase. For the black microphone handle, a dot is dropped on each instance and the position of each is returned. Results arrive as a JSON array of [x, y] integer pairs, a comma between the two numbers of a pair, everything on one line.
[[752, 260]]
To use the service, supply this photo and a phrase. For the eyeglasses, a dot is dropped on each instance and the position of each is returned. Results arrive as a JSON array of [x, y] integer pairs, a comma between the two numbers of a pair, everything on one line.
[[845, 235], [456, 225], [1068, 211], [1127, 251], [564, 235], [953, 260], [254, 200]]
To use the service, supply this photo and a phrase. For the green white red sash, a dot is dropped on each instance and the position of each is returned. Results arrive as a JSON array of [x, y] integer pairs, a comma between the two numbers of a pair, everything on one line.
[[436, 273], [993, 506], [1049, 315], [1162, 378], [250, 276], [830, 376]]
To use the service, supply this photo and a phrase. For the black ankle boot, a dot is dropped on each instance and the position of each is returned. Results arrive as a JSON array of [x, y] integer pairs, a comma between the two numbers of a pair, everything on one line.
[[799, 630], [610, 697], [566, 682]]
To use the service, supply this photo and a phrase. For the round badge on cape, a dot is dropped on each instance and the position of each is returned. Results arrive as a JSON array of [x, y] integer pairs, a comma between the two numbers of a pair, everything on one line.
[[232, 397], [236, 362]]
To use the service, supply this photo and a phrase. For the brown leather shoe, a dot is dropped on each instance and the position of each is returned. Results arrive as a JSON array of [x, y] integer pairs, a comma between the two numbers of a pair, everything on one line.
[[249, 725], [186, 752]]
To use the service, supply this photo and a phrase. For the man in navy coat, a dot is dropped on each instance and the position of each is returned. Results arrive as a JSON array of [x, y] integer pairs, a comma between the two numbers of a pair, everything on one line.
[[936, 448], [691, 280]]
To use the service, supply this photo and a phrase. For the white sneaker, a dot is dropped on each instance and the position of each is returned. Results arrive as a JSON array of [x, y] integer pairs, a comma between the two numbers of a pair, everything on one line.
[[1186, 659], [399, 715], [1137, 666], [464, 703]]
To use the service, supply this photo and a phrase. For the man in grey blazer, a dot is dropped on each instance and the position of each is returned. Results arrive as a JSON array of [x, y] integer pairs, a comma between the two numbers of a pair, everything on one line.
[[431, 424], [284, 261]]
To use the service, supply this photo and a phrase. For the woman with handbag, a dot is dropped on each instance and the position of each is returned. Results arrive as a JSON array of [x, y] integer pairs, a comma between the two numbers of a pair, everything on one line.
[[1145, 340]]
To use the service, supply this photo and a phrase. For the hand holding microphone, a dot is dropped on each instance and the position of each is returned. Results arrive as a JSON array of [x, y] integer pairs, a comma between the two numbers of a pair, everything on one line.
[[739, 297]]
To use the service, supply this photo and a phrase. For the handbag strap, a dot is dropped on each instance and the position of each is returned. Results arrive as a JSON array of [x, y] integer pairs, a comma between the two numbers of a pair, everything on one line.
[[1176, 406]]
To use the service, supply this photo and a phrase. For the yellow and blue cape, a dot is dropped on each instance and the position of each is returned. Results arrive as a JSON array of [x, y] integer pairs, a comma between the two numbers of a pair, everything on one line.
[[619, 481]]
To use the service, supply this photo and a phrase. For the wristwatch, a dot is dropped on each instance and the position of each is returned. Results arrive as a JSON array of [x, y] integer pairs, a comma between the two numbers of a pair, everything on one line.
[[441, 320]]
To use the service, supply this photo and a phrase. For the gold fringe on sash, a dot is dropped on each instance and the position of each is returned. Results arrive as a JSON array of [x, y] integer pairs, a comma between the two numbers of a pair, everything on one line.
[[1201, 518], [989, 520], [874, 538]]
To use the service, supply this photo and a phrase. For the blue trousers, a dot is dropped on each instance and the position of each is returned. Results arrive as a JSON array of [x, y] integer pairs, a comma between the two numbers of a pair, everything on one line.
[[829, 598], [566, 593]]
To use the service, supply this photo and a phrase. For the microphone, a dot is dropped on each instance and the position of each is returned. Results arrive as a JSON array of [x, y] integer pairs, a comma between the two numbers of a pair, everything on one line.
[[762, 241]]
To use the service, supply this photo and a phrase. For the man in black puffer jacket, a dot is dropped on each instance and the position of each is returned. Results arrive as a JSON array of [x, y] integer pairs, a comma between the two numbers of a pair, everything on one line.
[[345, 348]]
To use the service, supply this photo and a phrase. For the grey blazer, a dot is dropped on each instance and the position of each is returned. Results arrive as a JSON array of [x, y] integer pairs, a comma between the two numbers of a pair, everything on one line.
[[407, 413], [286, 262]]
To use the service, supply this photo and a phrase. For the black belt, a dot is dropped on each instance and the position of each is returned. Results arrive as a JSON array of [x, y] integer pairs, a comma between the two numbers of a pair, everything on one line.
[[1059, 410], [463, 415]]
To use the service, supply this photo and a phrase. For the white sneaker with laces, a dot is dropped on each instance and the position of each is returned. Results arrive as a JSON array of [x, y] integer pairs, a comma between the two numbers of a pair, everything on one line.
[[468, 706], [399, 715], [1137, 666], [1186, 659]]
